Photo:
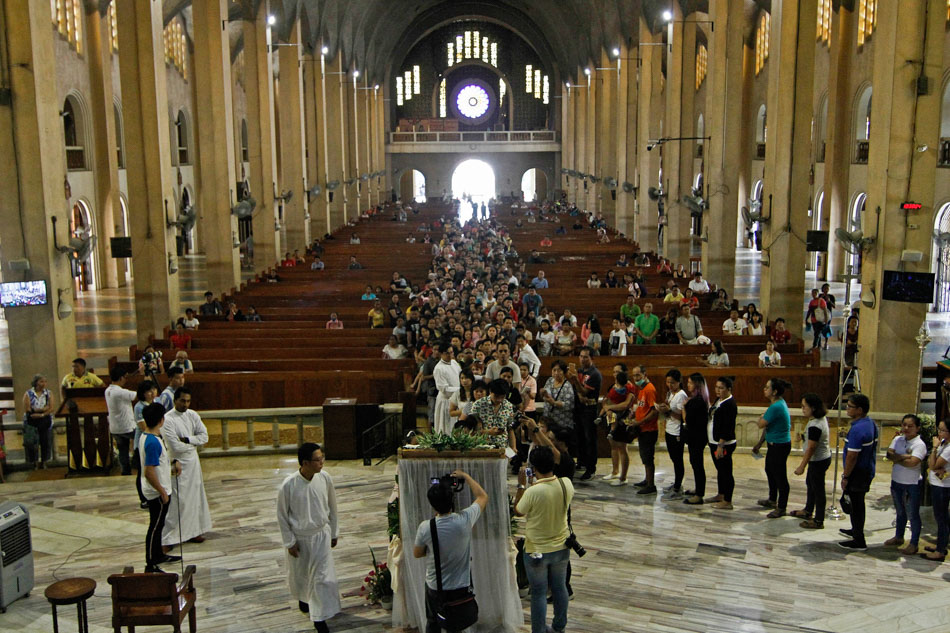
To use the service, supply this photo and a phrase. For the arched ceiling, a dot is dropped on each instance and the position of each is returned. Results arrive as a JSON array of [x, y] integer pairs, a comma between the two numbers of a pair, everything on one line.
[[373, 35]]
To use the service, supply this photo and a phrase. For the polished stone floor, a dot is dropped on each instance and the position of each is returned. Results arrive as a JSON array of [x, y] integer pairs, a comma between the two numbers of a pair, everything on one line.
[[652, 565]]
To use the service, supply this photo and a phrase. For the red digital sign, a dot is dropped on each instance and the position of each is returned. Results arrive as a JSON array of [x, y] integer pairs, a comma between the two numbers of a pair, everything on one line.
[[911, 206]]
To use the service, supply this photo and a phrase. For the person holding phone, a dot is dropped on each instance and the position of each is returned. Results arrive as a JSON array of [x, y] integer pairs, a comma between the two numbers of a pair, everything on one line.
[[939, 491]]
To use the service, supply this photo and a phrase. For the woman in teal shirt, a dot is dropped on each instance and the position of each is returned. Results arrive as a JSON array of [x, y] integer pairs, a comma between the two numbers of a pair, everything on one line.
[[776, 425]]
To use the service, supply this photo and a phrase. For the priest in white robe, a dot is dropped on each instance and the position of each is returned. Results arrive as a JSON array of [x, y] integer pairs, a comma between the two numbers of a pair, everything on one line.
[[307, 515], [446, 376], [183, 433]]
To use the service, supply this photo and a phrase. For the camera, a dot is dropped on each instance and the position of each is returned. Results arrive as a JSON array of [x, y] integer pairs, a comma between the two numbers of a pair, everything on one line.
[[452, 483], [572, 543]]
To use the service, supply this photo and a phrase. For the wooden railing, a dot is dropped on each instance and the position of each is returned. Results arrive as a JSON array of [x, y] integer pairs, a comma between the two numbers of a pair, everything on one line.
[[532, 136]]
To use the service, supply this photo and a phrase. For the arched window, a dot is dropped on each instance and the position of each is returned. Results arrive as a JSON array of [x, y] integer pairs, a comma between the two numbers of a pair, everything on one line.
[[762, 41], [862, 126], [941, 264], [244, 151], [176, 47], [181, 126], [824, 21], [821, 124], [81, 225], [761, 132], [73, 137], [943, 158], [867, 19], [119, 136], [701, 60], [855, 220], [67, 18]]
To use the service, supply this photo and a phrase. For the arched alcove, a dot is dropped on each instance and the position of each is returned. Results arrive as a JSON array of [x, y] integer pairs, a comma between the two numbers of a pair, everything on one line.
[[941, 260], [862, 125], [534, 185], [82, 223], [74, 132], [182, 138]]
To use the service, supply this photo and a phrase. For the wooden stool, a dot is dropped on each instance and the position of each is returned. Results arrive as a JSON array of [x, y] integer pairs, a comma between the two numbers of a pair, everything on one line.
[[71, 591]]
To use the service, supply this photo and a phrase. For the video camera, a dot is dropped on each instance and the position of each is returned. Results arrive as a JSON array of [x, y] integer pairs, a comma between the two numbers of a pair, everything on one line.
[[454, 484]]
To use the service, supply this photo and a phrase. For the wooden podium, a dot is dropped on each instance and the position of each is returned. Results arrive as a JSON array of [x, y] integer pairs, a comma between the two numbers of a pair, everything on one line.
[[493, 551], [88, 442]]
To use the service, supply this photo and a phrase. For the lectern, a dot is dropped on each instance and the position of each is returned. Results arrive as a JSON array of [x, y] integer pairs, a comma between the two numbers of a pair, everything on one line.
[[493, 551]]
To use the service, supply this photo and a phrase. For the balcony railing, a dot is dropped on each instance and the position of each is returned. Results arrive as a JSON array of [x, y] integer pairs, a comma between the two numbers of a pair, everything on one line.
[[861, 152], [943, 158], [534, 136], [760, 151]]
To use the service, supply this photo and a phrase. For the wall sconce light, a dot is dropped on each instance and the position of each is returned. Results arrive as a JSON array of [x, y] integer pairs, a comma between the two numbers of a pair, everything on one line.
[[63, 309]]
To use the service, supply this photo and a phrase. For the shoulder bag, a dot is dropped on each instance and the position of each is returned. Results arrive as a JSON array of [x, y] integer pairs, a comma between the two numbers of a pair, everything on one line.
[[457, 614]]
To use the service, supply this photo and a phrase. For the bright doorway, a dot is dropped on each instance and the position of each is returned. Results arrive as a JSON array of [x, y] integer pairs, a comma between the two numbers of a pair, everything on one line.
[[473, 183]]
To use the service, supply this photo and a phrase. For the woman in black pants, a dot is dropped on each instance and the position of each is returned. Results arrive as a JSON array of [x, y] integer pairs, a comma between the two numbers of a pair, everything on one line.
[[817, 457], [695, 418], [776, 425], [672, 411], [722, 441]]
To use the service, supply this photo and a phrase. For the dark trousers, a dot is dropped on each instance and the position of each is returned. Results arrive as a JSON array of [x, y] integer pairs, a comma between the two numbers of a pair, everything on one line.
[[42, 451], [586, 430], [815, 496], [674, 445], [432, 605], [858, 485], [697, 456], [940, 497], [122, 442], [776, 469], [724, 477], [907, 504], [157, 511]]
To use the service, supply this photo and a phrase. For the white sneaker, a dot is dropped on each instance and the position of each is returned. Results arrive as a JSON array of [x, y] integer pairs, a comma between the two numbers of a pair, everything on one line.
[[618, 482], [609, 477]]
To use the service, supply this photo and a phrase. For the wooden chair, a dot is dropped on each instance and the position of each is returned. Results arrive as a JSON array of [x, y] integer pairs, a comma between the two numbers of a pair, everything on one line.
[[152, 599]]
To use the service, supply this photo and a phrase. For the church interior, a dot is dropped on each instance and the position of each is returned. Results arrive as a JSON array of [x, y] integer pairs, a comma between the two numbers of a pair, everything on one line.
[[304, 176]]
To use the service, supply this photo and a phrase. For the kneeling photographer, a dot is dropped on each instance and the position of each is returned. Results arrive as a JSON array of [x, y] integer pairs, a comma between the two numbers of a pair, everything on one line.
[[548, 537], [450, 600]]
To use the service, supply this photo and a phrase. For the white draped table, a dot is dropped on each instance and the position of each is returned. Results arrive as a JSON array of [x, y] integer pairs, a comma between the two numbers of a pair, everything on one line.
[[493, 554]]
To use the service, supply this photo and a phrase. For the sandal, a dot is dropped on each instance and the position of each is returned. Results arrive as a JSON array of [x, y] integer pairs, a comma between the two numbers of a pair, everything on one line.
[[776, 513], [811, 524], [800, 514]]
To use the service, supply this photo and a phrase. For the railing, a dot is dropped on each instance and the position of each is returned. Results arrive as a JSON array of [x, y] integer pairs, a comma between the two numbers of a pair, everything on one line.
[[861, 152], [382, 439], [760, 151], [536, 136], [75, 158], [943, 158]]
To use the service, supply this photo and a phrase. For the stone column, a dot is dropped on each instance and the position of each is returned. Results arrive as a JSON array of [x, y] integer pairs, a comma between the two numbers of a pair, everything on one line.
[[319, 206], [292, 159], [105, 158], [353, 129], [648, 127], [838, 145], [678, 155], [580, 96], [32, 177], [723, 123], [606, 131], [369, 189], [259, 93], [311, 68], [627, 140], [567, 142], [901, 121], [591, 141], [148, 165], [213, 126], [787, 160], [335, 121]]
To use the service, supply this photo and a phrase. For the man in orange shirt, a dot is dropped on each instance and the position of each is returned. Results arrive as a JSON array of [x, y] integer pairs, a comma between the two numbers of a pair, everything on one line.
[[645, 415], [545, 242]]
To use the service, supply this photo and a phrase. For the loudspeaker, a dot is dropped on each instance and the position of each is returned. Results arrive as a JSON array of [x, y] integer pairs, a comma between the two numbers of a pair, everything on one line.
[[613, 194], [121, 247], [816, 241]]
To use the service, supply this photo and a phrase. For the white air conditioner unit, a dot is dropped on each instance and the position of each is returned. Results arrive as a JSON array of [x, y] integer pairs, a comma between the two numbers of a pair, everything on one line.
[[16, 553]]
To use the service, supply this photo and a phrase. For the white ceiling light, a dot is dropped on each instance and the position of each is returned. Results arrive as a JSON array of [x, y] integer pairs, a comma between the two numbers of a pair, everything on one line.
[[272, 20]]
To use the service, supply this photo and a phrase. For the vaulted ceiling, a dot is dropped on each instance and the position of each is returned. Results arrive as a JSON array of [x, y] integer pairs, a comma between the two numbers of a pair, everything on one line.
[[374, 35]]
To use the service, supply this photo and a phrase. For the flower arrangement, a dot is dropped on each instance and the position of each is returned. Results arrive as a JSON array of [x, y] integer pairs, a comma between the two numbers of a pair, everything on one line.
[[378, 584], [459, 440]]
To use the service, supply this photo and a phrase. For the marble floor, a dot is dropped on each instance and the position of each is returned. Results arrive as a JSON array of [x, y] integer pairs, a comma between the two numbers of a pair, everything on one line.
[[652, 565]]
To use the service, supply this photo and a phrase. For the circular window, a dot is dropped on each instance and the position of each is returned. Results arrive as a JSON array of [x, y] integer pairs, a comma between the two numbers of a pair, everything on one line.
[[472, 101]]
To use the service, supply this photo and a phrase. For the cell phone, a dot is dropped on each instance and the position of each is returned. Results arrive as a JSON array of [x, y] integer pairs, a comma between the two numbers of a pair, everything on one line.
[[434, 481], [529, 473]]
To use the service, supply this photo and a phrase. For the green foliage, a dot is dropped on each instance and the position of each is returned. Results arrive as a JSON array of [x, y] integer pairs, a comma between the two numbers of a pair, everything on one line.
[[459, 440], [392, 516], [378, 584], [928, 428]]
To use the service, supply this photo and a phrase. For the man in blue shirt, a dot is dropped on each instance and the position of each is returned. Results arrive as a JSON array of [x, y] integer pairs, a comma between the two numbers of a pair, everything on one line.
[[539, 282], [859, 466]]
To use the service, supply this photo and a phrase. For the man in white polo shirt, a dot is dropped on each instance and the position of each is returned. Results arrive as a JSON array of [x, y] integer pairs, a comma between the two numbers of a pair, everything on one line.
[[121, 418], [698, 285]]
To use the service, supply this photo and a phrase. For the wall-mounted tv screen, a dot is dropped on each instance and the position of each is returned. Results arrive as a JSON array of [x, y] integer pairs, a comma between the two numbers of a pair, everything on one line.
[[908, 287], [23, 293]]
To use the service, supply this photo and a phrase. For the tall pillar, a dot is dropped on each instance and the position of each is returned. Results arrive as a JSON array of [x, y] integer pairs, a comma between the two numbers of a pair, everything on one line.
[[310, 68], [32, 178], [580, 95], [259, 93], [838, 146], [607, 114], [787, 160], [901, 121], [214, 124], [105, 158], [366, 104], [353, 195], [148, 165], [320, 206], [591, 202], [721, 156], [567, 142], [678, 155], [649, 128], [292, 160], [746, 135], [627, 140], [335, 121]]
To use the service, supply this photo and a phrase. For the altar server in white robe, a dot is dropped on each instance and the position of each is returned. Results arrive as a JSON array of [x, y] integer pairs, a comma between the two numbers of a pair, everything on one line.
[[307, 515], [446, 376], [183, 433]]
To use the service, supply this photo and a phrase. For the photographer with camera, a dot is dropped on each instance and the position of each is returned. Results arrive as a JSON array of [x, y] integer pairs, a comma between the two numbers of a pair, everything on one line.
[[450, 601], [548, 537]]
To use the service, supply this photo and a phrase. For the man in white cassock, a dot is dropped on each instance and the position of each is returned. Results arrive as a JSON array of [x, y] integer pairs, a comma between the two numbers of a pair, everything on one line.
[[306, 513], [446, 376], [183, 433]]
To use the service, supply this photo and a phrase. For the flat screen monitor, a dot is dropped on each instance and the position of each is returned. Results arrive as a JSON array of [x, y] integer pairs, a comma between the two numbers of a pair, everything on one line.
[[816, 241], [908, 287], [15, 294], [121, 247]]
